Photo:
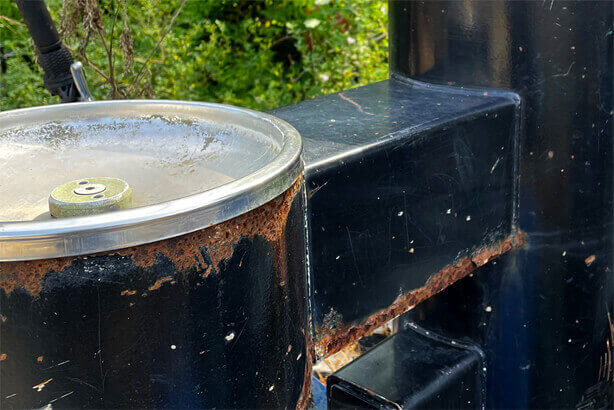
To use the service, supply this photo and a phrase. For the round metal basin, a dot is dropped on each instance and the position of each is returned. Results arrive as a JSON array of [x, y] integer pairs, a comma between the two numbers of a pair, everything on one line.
[[190, 165], [192, 297]]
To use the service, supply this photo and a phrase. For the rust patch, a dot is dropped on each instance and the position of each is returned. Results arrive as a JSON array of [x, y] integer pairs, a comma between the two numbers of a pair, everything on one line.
[[3, 318], [331, 341], [127, 292], [3, 357], [29, 274], [159, 282], [268, 220], [588, 261], [39, 359]]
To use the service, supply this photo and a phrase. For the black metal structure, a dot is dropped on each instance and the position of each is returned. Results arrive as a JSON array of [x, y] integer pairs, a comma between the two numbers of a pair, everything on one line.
[[543, 314], [400, 183], [484, 163], [556, 299], [412, 369]]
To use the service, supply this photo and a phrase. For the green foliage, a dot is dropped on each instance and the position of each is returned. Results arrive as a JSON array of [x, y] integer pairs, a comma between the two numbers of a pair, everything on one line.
[[257, 54]]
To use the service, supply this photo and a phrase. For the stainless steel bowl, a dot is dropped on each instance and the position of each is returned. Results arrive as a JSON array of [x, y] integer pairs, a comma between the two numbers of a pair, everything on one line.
[[188, 168]]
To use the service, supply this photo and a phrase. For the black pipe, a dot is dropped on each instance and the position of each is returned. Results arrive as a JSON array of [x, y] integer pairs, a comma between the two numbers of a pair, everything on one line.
[[54, 57]]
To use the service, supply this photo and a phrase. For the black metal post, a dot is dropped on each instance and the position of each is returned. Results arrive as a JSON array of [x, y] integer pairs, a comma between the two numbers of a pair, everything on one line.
[[548, 329]]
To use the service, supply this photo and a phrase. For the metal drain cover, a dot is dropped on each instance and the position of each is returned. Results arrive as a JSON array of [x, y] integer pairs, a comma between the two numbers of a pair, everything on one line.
[[88, 196]]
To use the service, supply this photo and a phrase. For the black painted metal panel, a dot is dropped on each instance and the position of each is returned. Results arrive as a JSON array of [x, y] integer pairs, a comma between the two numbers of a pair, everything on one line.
[[402, 179], [412, 369]]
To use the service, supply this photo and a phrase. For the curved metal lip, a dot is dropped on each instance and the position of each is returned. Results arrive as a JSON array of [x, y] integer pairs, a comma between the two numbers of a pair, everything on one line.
[[31, 240]]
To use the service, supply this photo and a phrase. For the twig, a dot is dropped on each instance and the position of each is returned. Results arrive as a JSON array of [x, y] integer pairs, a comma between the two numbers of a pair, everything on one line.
[[88, 62], [111, 65], [109, 60], [142, 60], [10, 20], [137, 80], [279, 40]]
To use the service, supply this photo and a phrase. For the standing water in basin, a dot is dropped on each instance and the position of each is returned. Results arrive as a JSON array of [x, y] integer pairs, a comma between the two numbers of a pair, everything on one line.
[[160, 162]]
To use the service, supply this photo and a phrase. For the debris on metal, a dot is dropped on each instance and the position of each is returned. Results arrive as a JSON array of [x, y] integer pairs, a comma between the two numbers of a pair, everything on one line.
[[326, 366]]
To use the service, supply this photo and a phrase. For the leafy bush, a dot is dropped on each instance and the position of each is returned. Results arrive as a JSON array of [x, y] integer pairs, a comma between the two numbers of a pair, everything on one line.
[[257, 54]]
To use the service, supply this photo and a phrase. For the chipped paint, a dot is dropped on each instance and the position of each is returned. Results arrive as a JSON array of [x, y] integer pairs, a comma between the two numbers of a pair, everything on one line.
[[270, 239], [185, 252], [158, 284], [334, 335]]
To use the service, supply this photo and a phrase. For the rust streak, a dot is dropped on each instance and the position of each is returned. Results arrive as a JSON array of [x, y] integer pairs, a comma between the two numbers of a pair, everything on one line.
[[303, 399], [329, 342]]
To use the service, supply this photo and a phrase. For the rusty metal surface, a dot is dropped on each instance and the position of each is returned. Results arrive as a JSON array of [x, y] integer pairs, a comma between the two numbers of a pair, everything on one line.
[[215, 318], [337, 335], [184, 252]]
